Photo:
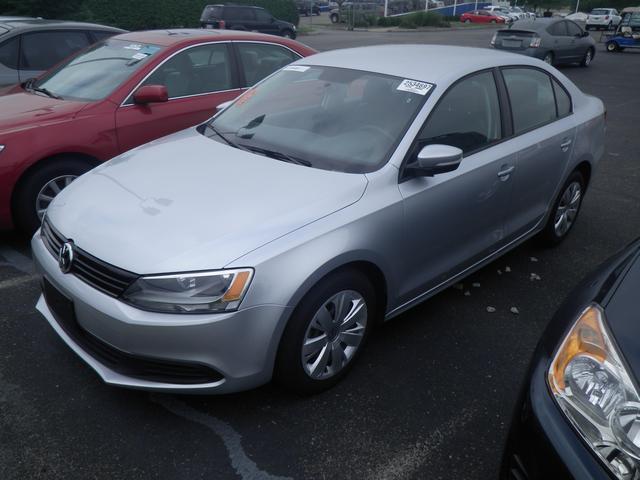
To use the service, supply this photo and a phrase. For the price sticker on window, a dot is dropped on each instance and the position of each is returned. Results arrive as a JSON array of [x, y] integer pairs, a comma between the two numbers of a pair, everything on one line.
[[413, 86]]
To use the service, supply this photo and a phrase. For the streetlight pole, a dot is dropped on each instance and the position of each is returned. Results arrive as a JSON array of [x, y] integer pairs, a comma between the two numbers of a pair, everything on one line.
[[577, 5]]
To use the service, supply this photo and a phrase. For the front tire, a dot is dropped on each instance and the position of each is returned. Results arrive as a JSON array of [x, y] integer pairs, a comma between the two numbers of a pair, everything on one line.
[[467, 21], [588, 57], [39, 188], [564, 211], [334, 18], [612, 47], [326, 333]]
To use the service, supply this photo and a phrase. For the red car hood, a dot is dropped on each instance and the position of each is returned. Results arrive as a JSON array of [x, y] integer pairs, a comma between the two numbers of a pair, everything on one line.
[[27, 110]]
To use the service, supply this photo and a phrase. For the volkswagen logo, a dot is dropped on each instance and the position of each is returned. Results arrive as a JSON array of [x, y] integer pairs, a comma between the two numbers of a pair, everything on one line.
[[65, 257]]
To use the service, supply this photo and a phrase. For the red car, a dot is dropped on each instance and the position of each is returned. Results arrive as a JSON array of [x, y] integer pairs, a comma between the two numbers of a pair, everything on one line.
[[118, 94], [481, 16]]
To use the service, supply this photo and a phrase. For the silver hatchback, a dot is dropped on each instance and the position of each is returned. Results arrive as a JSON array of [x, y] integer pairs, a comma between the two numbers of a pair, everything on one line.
[[336, 194]]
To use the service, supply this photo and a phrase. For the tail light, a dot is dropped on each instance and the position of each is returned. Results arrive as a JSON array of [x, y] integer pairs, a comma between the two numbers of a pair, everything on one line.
[[535, 42], [222, 24], [493, 39]]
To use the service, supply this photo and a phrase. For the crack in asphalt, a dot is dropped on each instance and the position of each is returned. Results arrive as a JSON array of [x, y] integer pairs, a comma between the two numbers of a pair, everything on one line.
[[240, 461]]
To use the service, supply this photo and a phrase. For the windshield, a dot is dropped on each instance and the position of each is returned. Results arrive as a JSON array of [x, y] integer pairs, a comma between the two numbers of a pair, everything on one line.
[[323, 117], [599, 12], [97, 71]]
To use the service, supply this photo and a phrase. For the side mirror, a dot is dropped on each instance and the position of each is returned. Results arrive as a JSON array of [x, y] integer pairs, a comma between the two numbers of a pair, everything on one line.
[[223, 106], [435, 159], [151, 94], [585, 34]]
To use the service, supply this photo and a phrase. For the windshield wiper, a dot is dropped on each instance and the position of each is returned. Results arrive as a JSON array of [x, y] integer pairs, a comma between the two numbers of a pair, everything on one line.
[[277, 155], [229, 142], [29, 86]]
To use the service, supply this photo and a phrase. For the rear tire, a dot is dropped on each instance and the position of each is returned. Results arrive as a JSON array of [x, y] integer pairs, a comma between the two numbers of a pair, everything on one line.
[[467, 21], [565, 211], [289, 34], [493, 21], [323, 366], [41, 186], [548, 58], [334, 18]]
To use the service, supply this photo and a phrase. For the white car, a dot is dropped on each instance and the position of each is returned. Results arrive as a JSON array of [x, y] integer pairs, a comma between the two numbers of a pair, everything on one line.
[[502, 12], [603, 18]]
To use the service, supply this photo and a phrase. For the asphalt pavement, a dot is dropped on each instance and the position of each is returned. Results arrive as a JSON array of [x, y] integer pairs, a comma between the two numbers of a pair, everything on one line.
[[431, 397]]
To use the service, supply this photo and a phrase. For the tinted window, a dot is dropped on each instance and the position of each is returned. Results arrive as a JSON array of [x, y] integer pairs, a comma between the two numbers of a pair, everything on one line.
[[562, 100], [467, 117], [239, 14], [263, 16], [558, 29], [42, 50], [9, 53], [195, 71], [531, 97], [573, 29], [261, 60]]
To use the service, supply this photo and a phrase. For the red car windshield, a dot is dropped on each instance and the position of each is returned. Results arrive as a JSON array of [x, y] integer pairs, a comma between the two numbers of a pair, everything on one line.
[[96, 72]]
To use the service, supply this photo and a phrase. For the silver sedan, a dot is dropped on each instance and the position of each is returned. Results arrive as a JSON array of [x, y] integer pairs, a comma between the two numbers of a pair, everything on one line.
[[339, 192]]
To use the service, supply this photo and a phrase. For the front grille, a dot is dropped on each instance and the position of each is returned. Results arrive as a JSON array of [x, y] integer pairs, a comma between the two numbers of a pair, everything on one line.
[[135, 366], [100, 275]]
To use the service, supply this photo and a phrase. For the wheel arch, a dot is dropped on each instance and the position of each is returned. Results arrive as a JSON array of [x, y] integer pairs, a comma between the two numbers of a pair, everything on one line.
[[27, 172]]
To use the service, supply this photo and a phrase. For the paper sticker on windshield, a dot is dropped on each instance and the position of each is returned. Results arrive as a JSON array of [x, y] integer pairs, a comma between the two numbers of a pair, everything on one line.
[[413, 86], [139, 56], [133, 46], [149, 49], [296, 68]]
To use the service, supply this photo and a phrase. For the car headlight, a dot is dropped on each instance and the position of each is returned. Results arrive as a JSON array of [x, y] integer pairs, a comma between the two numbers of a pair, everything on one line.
[[591, 384], [200, 292]]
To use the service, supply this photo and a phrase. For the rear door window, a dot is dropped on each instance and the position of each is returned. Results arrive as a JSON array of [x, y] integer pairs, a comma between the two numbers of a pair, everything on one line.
[[42, 50], [101, 35], [259, 60], [531, 97], [9, 52], [563, 101]]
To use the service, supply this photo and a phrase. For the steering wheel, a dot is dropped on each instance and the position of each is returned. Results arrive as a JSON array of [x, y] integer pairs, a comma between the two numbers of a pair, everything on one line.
[[376, 130]]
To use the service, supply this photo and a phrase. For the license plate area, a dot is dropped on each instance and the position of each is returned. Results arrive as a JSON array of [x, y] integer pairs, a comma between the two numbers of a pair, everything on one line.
[[60, 305], [512, 43]]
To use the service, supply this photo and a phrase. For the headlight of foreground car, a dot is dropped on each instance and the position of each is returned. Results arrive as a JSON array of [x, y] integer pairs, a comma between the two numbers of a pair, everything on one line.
[[202, 292], [592, 386]]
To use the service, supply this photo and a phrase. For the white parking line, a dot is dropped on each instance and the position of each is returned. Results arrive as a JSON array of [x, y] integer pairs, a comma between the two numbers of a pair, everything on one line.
[[16, 259], [14, 282], [240, 461]]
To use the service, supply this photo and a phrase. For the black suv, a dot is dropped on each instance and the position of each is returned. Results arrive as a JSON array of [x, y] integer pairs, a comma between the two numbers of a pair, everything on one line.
[[241, 17]]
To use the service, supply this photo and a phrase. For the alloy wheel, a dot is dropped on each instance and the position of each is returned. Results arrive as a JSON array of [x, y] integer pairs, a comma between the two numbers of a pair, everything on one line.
[[567, 209], [548, 58], [49, 191], [334, 335], [587, 58]]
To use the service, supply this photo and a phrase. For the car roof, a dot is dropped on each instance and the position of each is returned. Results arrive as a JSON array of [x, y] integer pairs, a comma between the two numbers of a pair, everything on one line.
[[438, 64], [535, 25], [38, 23], [176, 36]]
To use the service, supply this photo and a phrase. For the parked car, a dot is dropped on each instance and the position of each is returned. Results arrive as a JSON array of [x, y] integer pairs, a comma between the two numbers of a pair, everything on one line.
[[481, 16], [578, 17], [502, 11], [28, 47], [307, 8], [603, 18], [118, 94], [354, 10], [339, 192], [578, 414], [553, 40], [243, 17]]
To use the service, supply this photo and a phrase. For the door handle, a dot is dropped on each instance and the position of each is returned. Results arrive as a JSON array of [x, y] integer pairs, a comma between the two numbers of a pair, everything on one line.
[[503, 174], [565, 144]]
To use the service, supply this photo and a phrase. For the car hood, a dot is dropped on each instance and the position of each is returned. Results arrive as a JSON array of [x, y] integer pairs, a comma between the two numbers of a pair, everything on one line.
[[28, 110], [623, 316], [186, 202]]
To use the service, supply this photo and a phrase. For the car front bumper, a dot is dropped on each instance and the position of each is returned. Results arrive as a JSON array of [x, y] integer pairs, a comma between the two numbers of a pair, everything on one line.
[[132, 348]]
